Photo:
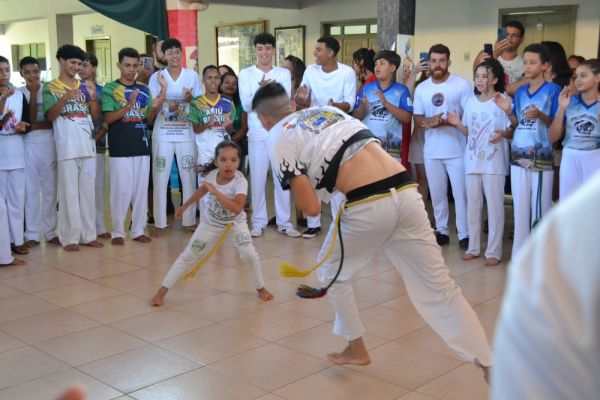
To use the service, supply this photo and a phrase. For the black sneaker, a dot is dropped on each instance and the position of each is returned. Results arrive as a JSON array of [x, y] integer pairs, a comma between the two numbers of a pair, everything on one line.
[[442, 239], [464, 243], [272, 221], [311, 233]]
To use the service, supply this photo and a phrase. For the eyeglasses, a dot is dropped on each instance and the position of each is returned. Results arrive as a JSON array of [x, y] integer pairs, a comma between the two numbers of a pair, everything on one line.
[[170, 53]]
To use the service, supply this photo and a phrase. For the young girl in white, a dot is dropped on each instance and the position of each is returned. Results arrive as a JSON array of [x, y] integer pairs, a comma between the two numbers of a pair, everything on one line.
[[578, 118], [226, 188], [486, 122]]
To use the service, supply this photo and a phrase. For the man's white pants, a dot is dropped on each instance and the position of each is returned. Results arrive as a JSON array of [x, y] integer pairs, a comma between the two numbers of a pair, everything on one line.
[[334, 203], [259, 167], [100, 186], [530, 202], [76, 200], [12, 194], [576, 168], [438, 171], [492, 186], [40, 176], [129, 186], [203, 240], [398, 226], [186, 162], [5, 255]]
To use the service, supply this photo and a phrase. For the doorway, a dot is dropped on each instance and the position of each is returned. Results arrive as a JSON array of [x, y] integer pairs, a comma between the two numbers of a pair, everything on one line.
[[352, 35], [101, 48]]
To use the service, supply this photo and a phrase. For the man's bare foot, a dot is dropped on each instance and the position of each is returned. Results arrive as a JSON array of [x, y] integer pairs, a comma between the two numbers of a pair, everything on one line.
[[71, 247], [105, 235], [157, 300], [118, 241], [21, 250], [264, 294], [156, 232], [491, 262], [94, 243], [15, 261], [74, 393], [191, 228], [469, 256], [355, 354], [55, 241], [142, 239], [30, 244]]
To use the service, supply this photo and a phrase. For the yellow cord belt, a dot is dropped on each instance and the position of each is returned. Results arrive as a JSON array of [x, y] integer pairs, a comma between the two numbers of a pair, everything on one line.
[[189, 275]]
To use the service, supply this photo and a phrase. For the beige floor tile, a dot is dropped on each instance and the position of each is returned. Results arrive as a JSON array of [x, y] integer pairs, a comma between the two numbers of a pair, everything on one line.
[[99, 269], [138, 368], [89, 345], [283, 291], [275, 362], [281, 246], [43, 281], [374, 291], [204, 383], [392, 276], [227, 278], [495, 301], [152, 257], [374, 268], [221, 307], [338, 383], [67, 296], [389, 323], [320, 341], [130, 247], [133, 280], [308, 256], [8, 342], [314, 308], [458, 266], [16, 271], [159, 325], [67, 259], [48, 325], [269, 396], [463, 383], [114, 308], [426, 339], [23, 306], [488, 316], [417, 396], [402, 304], [25, 364], [272, 323], [9, 291], [211, 343], [51, 386], [406, 366], [476, 290], [182, 292]]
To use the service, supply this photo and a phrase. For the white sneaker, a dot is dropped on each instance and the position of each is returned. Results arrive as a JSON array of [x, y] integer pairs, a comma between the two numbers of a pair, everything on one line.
[[291, 232], [257, 232]]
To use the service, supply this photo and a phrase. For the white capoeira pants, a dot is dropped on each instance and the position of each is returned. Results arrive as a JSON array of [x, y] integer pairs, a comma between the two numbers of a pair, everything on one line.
[[100, 186], [492, 186], [76, 200], [334, 203], [259, 167], [398, 226], [40, 176], [5, 255], [525, 186], [12, 194], [576, 168], [129, 186], [186, 162], [203, 240], [438, 171]]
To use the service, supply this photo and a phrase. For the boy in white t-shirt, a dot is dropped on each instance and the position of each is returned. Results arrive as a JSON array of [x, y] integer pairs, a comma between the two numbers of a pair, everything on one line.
[[172, 133], [444, 147], [250, 80], [326, 82]]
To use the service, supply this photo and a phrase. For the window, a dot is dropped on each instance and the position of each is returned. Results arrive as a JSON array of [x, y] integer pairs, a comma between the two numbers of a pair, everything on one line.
[[355, 30], [36, 50]]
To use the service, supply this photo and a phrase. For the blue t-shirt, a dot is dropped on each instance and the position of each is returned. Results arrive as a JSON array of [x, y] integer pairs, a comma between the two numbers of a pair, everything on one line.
[[531, 147], [379, 120], [582, 128]]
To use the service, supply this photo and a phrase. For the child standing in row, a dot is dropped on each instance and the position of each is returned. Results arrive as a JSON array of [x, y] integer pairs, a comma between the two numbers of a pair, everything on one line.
[[486, 123], [226, 188]]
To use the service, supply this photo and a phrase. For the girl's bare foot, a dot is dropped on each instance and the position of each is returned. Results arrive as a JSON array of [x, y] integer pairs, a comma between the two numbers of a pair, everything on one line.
[[105, 235], [94, 243], [71, 247], [55, 241], [15, 261], [355, 354], [469, 256], [157, 300], [31, 244], [142, 239], [264, 294], [491, 262], [118, 241]]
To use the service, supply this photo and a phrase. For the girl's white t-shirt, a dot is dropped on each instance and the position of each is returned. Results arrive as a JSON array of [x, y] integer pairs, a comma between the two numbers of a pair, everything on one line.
[[215, 212]]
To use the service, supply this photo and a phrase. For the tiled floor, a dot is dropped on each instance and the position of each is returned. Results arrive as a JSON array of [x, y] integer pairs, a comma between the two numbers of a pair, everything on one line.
[[85, 317]]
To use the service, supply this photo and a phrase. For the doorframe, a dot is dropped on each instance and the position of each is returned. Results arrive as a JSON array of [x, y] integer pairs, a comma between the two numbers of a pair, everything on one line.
[[517, 11], [91, 39]]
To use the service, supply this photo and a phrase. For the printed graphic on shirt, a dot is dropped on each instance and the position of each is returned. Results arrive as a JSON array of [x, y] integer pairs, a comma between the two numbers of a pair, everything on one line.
[[317, 120], [437, 99], [582, 127], [75, 110], [174, 117]]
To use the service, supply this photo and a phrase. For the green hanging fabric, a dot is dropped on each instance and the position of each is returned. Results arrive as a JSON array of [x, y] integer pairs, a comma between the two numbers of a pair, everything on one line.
[[146, 15]]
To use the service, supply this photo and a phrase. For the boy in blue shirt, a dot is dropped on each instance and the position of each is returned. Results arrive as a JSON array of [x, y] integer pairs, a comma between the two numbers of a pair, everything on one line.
[[384, 105]]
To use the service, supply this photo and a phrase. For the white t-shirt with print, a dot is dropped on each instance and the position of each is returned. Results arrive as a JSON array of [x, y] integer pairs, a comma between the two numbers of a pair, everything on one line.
[[513, 68], [39, 135], [482, 119], [439, 98], [249, 83], [172, 123], [215, 212], [12, 149], [338, 85]]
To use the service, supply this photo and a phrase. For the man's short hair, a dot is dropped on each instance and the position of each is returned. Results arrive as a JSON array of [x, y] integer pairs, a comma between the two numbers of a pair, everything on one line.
[[4, 60], [28, 61], [390, 56], [170, 43], [69, 51], [271, 99], [91, 57], [330, 43], [209, 67], [439, 49], [518, 25], [265, 39], [128, 52], [540, 50]]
